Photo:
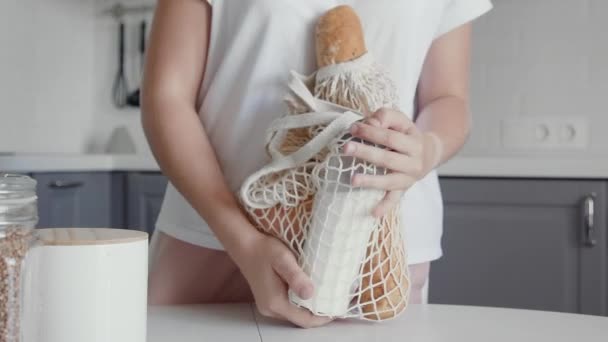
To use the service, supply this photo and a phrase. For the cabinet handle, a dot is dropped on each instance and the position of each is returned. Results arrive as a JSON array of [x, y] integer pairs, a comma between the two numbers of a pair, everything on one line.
[[589, 220], [58, 184]]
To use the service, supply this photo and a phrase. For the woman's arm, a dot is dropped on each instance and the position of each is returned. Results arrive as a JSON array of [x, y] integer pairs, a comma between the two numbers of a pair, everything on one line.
[[441, 128], [173, 74], [443, 95]]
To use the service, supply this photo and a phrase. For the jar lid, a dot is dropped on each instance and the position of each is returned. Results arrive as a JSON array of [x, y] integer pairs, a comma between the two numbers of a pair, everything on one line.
[[17, 200], [16, 183], [88, 236], [16, 191]]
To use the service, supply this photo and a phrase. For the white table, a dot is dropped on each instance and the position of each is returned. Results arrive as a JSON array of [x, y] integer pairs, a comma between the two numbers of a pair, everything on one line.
[[430, 323]]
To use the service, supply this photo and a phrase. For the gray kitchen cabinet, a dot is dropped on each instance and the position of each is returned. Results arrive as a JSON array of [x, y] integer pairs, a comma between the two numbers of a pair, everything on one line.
[[118, 203], [76, 200], [145, 196], [524, 243]]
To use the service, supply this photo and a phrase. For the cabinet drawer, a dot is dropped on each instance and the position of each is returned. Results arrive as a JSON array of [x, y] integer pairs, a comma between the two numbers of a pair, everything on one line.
[[523, 244], [74, 199], [145, 196]]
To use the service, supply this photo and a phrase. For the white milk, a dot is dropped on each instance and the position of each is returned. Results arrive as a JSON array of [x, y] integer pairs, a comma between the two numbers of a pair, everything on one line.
[[336, 247]]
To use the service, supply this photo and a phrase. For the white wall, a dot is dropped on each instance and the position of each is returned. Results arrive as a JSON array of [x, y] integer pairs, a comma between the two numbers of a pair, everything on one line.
[[540, 58], [57, 66], [58, 61], [46, 75]]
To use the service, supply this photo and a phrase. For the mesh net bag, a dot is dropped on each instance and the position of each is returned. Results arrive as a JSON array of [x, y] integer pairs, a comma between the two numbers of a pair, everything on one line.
[[304, 196], [357, 262]]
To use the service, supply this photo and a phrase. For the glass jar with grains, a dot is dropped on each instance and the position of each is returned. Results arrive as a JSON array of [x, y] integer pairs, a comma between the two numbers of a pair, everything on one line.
[[18, 218]]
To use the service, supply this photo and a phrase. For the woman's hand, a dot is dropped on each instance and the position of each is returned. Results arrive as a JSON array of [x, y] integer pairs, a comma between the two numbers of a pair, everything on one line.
[[409, 155], [271, 269]]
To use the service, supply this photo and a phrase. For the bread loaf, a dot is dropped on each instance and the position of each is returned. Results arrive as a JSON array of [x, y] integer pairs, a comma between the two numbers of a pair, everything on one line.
[[384, 282], [274, 221], [339, 36]]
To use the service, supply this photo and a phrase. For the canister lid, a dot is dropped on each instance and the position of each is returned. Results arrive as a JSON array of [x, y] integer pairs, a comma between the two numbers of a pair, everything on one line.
[[88, 236], [16, 183]]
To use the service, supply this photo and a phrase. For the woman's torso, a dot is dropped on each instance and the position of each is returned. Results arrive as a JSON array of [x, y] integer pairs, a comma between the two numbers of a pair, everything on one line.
[[256, 43]]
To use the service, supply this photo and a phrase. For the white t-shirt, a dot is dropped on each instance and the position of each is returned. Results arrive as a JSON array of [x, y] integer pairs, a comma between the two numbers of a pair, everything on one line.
[[253, 46]]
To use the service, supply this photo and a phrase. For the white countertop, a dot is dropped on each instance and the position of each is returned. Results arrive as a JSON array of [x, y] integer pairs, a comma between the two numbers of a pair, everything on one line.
[[517, 167], [21, 163], [526, 167], [428, 323]]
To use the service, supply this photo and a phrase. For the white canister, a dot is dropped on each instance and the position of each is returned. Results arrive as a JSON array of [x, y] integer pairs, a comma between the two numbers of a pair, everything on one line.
[[87, 285]]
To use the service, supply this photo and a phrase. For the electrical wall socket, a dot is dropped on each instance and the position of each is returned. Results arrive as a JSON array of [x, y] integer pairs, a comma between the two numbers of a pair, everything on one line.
[[555, 133]]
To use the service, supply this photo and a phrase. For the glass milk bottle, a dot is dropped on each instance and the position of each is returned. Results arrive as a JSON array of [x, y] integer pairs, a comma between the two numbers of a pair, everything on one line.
[[18, 217], [340, 231]]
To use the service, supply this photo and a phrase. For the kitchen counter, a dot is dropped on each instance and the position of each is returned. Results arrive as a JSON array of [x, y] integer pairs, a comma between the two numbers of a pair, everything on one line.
[[526, 167], [76, 163], [511, 167], [241, 322]]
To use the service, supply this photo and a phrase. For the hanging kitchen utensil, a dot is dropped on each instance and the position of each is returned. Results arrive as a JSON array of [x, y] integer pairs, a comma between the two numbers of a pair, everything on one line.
[[133, 98], [142, 43], [120, 88]]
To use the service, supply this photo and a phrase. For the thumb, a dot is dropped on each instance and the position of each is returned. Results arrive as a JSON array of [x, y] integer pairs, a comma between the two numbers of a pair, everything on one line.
[[288, 269]]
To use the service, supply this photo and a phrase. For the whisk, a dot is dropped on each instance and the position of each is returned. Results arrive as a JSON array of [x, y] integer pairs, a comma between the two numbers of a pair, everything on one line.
[[121, 89]]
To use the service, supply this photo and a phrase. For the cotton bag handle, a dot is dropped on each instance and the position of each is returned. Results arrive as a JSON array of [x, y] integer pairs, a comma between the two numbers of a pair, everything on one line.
[[337, 118]]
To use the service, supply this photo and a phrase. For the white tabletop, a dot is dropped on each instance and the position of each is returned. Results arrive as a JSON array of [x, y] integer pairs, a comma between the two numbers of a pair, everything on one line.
[[429, 323], [33, 162]]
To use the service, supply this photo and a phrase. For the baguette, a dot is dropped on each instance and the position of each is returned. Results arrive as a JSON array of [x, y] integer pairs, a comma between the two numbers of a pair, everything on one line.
[[284, 223], [384, 283], [339, 37]]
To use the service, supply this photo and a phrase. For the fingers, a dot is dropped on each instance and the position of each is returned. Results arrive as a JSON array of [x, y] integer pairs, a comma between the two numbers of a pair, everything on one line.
[[384, 158], [390, 182], [409, 144], [302, 317], [286, 266], [277, 272], [390, 200], [393, 130], [289, 271], [392, 119], [282, 309]]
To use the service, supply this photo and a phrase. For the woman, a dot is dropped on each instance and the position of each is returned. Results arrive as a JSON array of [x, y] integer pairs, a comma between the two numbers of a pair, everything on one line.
[[215, 79]]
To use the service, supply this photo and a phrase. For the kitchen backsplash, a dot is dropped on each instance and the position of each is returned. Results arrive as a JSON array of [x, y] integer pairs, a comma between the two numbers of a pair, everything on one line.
[[531, 59], [46, 75], [539, 58], [57, 64], [107, 117]]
